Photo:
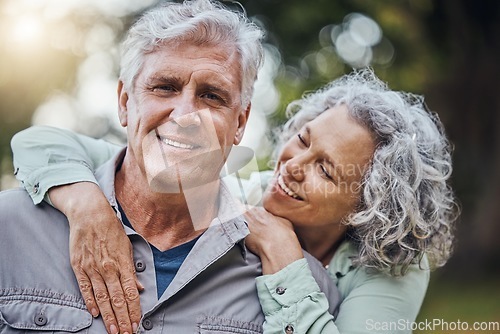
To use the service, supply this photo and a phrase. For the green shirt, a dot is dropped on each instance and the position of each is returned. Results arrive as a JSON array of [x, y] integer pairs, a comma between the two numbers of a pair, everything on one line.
[[372, 302]]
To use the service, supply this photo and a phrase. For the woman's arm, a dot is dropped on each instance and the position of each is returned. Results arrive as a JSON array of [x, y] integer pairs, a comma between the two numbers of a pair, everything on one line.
[[46, 157], [291, 299], [61, 163]]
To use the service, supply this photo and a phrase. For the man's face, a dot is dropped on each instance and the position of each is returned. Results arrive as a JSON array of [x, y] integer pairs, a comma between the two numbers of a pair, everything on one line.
[[183, 114]]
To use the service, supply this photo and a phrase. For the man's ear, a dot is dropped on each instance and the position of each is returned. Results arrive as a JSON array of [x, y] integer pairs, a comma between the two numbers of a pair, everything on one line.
[[242, 122], [122, 104]]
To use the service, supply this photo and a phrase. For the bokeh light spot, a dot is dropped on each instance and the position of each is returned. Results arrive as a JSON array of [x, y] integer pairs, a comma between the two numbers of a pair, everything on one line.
[[27, 30]]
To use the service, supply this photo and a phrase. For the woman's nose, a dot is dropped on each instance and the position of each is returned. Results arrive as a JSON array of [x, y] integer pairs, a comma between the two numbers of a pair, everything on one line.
[[295, 169]]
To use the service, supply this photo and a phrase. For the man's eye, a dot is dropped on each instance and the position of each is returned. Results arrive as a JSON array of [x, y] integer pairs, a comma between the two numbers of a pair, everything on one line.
[[166, 88], [212, 96], [302, 139]]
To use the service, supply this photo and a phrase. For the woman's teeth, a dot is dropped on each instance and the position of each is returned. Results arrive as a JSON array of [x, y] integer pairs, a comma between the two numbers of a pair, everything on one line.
[[287, 190]]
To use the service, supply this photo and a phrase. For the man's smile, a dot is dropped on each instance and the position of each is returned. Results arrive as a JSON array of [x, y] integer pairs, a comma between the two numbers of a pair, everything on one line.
[[177, 143]]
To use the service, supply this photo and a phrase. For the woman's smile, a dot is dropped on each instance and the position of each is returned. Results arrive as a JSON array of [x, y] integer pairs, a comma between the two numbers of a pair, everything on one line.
[[309, 187]]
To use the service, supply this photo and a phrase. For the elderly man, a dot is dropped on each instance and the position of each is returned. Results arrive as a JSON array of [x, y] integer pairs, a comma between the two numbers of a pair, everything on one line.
[[187, 74]]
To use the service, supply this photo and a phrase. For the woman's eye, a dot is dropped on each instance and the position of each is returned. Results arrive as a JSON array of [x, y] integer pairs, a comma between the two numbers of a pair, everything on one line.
[[302, 139], [325, 172]]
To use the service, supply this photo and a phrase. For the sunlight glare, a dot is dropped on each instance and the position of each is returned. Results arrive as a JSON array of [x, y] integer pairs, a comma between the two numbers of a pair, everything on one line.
[[27, 29]]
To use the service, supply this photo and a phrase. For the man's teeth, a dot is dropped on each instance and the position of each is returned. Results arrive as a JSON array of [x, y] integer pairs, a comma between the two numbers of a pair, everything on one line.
[[288, 191], [176, 144]]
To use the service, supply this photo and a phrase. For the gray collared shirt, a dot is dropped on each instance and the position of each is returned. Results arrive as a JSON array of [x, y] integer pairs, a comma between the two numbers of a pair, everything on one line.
[[213, 292]]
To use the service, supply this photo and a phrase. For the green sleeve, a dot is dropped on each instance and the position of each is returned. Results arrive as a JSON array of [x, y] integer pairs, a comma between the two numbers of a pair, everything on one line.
[[292, 299], [45, 157], [378, 303]]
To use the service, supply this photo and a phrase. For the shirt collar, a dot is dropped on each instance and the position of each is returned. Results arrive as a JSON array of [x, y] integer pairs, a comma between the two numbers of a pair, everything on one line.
[[105, 176], [341, 262], [230, 216], [230, 211]]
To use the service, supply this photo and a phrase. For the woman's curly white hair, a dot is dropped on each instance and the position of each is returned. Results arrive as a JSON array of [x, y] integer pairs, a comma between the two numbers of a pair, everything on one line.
[[407, 209]]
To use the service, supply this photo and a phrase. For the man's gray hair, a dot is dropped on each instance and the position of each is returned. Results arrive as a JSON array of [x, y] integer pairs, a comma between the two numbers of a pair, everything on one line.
[[407, 209], [197, 21]]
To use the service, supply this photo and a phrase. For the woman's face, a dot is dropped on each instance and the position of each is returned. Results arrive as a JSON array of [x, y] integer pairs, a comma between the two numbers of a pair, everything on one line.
[[318, 176]]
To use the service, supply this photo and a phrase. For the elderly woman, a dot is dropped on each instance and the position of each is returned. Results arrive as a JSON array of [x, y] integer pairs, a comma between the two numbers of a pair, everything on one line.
[[360, 183]]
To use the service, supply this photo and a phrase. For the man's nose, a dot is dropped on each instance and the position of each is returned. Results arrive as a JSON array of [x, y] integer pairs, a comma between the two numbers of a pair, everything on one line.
[[185, 113], [191, 119]]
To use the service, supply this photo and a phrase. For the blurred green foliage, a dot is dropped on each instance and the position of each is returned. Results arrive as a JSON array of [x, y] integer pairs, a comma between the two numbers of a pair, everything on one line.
[[472, 301]]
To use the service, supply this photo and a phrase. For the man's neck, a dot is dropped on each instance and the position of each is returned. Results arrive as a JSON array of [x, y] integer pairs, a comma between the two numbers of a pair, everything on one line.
[[165, 220]]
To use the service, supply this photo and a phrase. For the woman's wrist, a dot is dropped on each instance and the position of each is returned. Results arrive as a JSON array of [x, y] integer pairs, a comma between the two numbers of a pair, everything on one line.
[[70, 199], [279, 253]]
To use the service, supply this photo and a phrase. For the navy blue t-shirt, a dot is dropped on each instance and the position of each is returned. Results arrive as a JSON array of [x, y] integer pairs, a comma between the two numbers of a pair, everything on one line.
[[167, 263]]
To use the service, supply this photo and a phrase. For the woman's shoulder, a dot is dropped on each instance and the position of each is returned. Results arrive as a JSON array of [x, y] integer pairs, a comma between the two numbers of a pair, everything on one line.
[[342, 261], [342, 266]]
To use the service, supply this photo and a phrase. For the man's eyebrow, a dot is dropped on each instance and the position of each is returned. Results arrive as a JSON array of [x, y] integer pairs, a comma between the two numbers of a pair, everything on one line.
[[163, 79], [213, 87]]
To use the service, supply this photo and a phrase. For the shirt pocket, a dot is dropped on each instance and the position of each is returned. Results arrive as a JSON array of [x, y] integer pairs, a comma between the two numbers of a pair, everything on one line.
[[218, 325], [28, 316]]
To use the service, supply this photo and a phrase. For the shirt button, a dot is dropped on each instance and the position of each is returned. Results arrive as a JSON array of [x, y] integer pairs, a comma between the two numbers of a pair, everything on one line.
[[289, 329], [280, 290], [36, 187], [40, 319], [140, 266], [147, 324]]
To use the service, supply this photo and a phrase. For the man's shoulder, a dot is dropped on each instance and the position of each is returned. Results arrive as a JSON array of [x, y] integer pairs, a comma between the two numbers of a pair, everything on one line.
[[10, 199], [13, 192], [30, 231], [16, 204]]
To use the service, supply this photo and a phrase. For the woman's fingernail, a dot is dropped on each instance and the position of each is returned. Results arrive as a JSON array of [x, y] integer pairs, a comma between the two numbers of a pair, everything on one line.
[[134, 327], [94, 313], [113, 329]]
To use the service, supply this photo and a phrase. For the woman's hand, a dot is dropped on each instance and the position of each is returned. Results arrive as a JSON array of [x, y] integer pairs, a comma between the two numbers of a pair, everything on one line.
[[273, 239], [101, 256]]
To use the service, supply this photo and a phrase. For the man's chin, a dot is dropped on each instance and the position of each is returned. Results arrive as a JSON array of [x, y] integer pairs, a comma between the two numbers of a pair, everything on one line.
[[171, 182], [162, 184]]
